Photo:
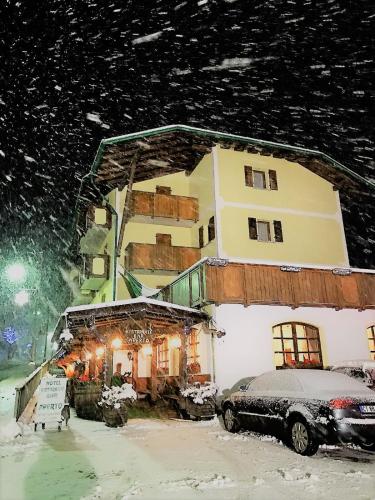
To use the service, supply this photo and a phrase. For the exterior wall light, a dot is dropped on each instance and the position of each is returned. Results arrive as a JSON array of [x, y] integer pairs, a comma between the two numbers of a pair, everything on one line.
[[147, 350], [88, 356], [175, 342], [116, 343], [99, 351]]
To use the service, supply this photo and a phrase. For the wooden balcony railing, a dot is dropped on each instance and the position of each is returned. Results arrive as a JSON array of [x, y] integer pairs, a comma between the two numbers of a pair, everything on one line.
[[165, 206], [249, 284], [144, 256]]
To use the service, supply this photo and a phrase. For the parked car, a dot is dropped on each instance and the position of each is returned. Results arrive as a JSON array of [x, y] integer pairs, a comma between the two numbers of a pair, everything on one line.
[[362, 370], [304, 408]]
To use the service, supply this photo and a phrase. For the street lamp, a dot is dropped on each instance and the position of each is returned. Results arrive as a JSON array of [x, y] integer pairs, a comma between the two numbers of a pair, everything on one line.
[[16, 272], [22, 298]]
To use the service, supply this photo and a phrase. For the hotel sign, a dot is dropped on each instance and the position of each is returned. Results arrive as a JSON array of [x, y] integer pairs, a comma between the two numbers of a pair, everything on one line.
[[141, 336]]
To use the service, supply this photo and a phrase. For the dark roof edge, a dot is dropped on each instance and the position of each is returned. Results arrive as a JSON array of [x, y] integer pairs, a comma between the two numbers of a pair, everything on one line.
[[222, 135]]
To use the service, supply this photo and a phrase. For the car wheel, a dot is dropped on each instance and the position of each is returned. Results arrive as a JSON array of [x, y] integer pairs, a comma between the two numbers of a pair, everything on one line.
[[230, 420], [368, 446], [301, 439]]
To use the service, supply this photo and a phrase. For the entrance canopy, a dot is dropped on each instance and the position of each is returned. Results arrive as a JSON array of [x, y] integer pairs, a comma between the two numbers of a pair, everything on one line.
[[134, 314]]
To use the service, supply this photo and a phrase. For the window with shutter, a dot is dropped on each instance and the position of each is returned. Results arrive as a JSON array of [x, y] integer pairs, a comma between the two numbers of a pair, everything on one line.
[[273, 179], [278, 231], [253, 233], [211, 229], [259, 179], [264, 233], [201, 237], [248, 176]]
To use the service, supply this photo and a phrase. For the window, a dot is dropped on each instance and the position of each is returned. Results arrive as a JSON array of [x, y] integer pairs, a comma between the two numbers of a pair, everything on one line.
[[261, 230], [371, 340], [163, 357], [163, 239], [192, 353], [297, 344], [193, 365], [163, 190], [201, 237], [211, 229], [259, 179]]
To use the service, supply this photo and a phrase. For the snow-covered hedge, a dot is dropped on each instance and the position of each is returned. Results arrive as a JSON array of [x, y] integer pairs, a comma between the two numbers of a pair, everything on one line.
[[200, 393], [66, 336], [114, 396]]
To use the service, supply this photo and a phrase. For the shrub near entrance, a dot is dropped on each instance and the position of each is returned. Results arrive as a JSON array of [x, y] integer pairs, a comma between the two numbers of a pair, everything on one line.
[[114, 403]]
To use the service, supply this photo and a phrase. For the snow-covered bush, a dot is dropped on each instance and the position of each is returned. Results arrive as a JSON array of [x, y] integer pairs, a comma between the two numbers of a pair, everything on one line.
[[66, 336], [200, 393], [115, 396]]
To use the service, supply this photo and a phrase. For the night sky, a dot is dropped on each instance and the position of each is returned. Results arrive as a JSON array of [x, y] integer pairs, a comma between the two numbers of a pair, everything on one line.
[[74, 72]]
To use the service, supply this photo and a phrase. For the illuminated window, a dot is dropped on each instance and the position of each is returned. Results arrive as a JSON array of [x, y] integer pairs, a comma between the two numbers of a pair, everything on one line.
[[100, 216], [192, 353], [163, 357], [98, 266], [296, 344], [371, 340]]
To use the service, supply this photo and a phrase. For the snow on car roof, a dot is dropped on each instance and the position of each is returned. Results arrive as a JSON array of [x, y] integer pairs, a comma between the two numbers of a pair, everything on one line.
[[323, 380], [356, 363]]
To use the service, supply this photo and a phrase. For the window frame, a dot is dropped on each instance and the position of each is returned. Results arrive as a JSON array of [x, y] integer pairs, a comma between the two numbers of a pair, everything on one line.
[[162, 356], [296, 351], [370, 332], [264, 179], [268, 224]]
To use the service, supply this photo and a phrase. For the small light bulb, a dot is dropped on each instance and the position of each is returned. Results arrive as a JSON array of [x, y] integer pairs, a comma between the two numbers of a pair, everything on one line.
[[99, 351], [116, 343]]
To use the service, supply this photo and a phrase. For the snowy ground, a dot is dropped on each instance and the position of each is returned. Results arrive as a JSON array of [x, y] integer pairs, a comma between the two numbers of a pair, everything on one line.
[[153, 459]]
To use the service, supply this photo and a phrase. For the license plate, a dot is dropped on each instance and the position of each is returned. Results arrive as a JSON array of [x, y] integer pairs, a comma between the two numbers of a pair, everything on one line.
[[367, 408]]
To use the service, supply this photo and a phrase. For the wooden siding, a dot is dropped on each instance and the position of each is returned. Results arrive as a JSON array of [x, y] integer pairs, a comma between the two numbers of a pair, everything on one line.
[[146, 256], [164, 205], [263, 284]]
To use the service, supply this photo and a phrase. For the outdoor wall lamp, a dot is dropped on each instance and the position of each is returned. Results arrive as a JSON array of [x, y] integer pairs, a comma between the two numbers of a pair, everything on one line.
[[147, 350], [99, 351], [116, 343], [175, 342]]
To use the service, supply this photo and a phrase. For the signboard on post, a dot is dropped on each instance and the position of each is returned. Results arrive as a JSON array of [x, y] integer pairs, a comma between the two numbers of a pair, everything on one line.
[[51, 399]]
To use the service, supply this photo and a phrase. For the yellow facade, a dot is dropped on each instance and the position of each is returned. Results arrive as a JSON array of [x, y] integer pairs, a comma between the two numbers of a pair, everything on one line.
[[304, 203]]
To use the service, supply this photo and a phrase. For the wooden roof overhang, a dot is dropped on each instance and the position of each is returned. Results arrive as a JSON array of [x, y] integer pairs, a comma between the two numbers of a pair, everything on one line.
[[135, 313], [175, 148]]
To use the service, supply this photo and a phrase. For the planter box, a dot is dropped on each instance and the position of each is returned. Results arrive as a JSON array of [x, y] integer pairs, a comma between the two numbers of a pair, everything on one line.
[[86, 398], [115, 417]]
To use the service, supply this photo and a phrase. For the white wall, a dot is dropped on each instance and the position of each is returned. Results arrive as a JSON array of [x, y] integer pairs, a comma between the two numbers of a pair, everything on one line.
[[246, 349]]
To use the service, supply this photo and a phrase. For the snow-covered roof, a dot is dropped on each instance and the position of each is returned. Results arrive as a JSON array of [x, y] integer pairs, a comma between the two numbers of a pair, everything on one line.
[[138, 300]]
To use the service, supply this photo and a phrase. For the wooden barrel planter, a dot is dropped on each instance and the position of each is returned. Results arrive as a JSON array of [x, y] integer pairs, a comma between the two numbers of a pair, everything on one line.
[[86, 397], [115, 417], [206, 410]]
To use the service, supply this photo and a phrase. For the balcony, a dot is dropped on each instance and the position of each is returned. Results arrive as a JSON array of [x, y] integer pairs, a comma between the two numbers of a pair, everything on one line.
[[144, 257], [98, 224], [95, 272], [165, 209]]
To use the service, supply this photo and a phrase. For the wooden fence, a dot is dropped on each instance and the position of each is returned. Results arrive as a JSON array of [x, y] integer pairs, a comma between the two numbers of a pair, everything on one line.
[[26, 390]]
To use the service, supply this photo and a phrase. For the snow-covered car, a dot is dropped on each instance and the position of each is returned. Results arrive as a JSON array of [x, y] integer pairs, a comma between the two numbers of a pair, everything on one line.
[[361, 370], [304, 408]]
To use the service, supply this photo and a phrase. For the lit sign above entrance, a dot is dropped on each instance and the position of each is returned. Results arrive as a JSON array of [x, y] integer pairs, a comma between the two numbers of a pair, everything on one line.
[[138, 336]]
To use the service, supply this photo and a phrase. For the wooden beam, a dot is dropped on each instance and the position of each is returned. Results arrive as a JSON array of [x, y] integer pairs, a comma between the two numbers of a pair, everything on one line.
[[128, 199], [183, 360], [154, 380]]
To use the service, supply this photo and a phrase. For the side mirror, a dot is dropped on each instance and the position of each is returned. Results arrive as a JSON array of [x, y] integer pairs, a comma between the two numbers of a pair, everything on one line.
[[243, 387]]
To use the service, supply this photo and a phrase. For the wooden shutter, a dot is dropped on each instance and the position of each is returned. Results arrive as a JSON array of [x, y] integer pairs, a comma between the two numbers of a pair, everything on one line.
[[248, 176], [163, 190], [163, 239], [211, 229], [201, 237], [253, 233], [273, 179], [278, 231]]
